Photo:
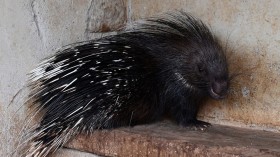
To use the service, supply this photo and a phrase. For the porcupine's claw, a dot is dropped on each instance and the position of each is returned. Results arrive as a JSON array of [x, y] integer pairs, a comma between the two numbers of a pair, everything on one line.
[[197, 125]]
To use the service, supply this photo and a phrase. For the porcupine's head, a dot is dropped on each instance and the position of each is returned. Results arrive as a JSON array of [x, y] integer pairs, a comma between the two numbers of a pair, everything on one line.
[[202, 64], [198, 61], [206, 69]]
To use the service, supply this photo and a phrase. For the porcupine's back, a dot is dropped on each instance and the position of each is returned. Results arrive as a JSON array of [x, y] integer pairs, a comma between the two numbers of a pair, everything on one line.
[[114, 81], [96, 85], [99, 74]]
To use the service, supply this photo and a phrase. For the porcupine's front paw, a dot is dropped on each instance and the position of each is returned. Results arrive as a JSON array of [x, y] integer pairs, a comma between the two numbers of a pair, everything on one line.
[[196, 125]]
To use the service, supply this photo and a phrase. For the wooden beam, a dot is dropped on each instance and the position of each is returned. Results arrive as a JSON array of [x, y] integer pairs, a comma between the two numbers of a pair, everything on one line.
[[167, 139]]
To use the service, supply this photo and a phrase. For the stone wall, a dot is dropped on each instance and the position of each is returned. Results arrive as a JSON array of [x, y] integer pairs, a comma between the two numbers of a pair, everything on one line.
[[31, 30]]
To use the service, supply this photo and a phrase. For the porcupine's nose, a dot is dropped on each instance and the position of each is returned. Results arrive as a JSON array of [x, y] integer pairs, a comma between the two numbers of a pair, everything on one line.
[[219, 89]]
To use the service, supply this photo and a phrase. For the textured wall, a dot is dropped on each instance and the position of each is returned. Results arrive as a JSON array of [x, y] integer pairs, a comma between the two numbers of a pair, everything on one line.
[[32, 29], [29, 31]]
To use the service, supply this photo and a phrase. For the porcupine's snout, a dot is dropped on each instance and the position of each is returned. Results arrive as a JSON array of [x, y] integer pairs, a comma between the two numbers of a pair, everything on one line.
[[218, 89]]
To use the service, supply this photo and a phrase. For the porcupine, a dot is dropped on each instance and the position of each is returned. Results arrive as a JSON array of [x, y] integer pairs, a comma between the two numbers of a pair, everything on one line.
[[164, 65]]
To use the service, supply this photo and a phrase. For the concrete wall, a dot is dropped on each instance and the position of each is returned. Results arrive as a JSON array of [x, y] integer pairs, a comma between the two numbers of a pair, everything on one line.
[[31, 30]]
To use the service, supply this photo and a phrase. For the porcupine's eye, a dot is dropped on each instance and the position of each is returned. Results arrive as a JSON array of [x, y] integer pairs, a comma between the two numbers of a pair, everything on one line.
[[201, 69]]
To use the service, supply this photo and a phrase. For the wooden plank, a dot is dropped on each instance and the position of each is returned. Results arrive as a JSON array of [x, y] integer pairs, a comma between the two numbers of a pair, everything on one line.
[[167, 139]]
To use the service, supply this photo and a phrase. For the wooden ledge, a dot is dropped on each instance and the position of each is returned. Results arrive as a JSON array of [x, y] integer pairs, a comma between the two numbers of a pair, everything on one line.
[[167, 139]]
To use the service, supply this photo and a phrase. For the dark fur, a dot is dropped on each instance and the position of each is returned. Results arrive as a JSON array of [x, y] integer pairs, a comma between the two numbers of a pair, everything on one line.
[[168, 64]]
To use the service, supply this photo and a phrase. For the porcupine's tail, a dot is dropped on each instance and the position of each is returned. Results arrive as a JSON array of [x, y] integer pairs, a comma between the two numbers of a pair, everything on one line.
[[47, 139]]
